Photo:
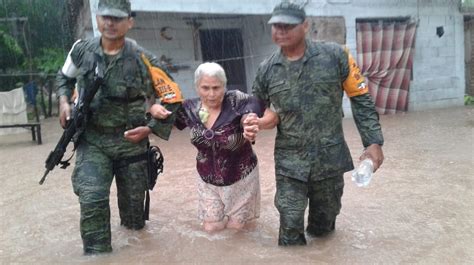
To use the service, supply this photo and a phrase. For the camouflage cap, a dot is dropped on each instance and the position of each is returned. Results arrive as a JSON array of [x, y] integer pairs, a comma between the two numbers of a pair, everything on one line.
[[287, 13], [114, 8]]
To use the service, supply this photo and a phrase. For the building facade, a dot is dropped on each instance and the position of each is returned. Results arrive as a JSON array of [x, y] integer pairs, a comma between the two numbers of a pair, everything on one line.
[[422, 68]]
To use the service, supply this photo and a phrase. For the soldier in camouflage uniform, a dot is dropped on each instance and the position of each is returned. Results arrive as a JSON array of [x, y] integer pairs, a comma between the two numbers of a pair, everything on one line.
[[116, 137], [304, 82]]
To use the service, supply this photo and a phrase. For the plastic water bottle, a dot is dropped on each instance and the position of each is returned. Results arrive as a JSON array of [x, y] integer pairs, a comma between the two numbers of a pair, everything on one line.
[[363, 174]]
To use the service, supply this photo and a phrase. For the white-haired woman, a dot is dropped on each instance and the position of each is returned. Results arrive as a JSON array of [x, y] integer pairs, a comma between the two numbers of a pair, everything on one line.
[[228, 183]]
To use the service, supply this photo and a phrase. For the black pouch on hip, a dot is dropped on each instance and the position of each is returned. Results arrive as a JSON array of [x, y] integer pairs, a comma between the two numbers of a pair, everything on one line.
[[155, 165]]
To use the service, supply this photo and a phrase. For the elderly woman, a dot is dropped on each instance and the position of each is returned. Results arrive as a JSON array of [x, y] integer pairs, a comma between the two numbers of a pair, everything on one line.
[[228, 182]]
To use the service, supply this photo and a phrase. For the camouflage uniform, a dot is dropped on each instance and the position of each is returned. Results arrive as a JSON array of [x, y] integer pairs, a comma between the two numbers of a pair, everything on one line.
[[119, 105], [311, 154]]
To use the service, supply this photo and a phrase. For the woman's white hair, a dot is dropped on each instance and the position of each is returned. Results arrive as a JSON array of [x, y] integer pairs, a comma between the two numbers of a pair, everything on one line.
[[212, 70]]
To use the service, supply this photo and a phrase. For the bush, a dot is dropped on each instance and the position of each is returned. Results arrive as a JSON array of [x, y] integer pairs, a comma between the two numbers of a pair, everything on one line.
[[468, 100]]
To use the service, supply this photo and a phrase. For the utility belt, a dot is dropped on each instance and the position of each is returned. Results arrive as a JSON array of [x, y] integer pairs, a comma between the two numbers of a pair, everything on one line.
[[113, 130], [109, 130], [126, 99], [155, 161]]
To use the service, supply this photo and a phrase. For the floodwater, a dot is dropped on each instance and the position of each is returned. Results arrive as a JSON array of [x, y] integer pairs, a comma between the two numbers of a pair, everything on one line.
[[418, 208]]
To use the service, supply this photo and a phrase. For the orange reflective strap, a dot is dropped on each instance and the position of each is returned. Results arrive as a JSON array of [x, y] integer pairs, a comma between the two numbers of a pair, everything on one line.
[[354, 85], [167, 90]]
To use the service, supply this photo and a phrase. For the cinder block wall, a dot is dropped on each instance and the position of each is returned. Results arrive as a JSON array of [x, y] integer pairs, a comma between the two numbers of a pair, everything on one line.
[[438, 71], [439, 76]]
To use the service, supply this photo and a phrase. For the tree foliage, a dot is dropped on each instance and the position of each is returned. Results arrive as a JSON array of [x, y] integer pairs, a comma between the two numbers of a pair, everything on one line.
[[50, 60], [47, 21], [10, 51], [35, 36]]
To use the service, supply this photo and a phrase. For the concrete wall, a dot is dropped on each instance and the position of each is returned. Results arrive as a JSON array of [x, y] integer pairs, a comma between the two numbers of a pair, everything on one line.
[[179, 49], [257, 44], [438, 78], [469, 55], [203, 6], [178, 44]]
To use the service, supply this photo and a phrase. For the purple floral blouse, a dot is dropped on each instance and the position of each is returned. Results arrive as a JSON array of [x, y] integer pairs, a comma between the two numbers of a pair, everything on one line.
[[224, 155]]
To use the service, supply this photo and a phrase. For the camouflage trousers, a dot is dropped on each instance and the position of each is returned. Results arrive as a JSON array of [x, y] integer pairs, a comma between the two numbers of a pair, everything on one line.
[[91, 180], [291, 199]]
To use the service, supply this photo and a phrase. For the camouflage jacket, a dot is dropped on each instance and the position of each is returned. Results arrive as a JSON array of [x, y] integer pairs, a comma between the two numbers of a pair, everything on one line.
[[307, 95], [121, 101]]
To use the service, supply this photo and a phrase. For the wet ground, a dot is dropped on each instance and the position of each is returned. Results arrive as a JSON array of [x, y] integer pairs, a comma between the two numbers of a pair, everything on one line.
[[418, 208]]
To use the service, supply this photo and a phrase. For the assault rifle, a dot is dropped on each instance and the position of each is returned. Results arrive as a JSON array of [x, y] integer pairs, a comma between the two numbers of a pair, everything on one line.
[[74, 128]]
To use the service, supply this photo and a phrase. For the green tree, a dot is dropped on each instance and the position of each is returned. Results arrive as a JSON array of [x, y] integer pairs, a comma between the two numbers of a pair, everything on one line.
[[36, 35], [11, 54], [46, 24], [50, 60], [38, 26]]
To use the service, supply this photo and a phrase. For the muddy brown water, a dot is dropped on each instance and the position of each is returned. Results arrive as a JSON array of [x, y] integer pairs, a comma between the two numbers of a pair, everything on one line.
[[417, 209]]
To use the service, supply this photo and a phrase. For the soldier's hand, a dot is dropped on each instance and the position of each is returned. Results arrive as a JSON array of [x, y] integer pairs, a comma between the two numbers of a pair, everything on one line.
[[375, 153], [159, 112], [64, 111], [137, 134]]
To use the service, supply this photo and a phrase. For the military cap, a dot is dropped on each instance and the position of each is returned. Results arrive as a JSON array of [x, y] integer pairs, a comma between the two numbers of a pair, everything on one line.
[[287, 13], [114, 8]]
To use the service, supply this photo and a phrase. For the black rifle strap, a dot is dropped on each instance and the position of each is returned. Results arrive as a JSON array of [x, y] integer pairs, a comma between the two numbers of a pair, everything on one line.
[[65, 163], [146, 211]]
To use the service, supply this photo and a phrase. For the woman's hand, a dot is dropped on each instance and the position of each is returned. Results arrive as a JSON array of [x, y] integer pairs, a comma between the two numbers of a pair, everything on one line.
[[250, 123]]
